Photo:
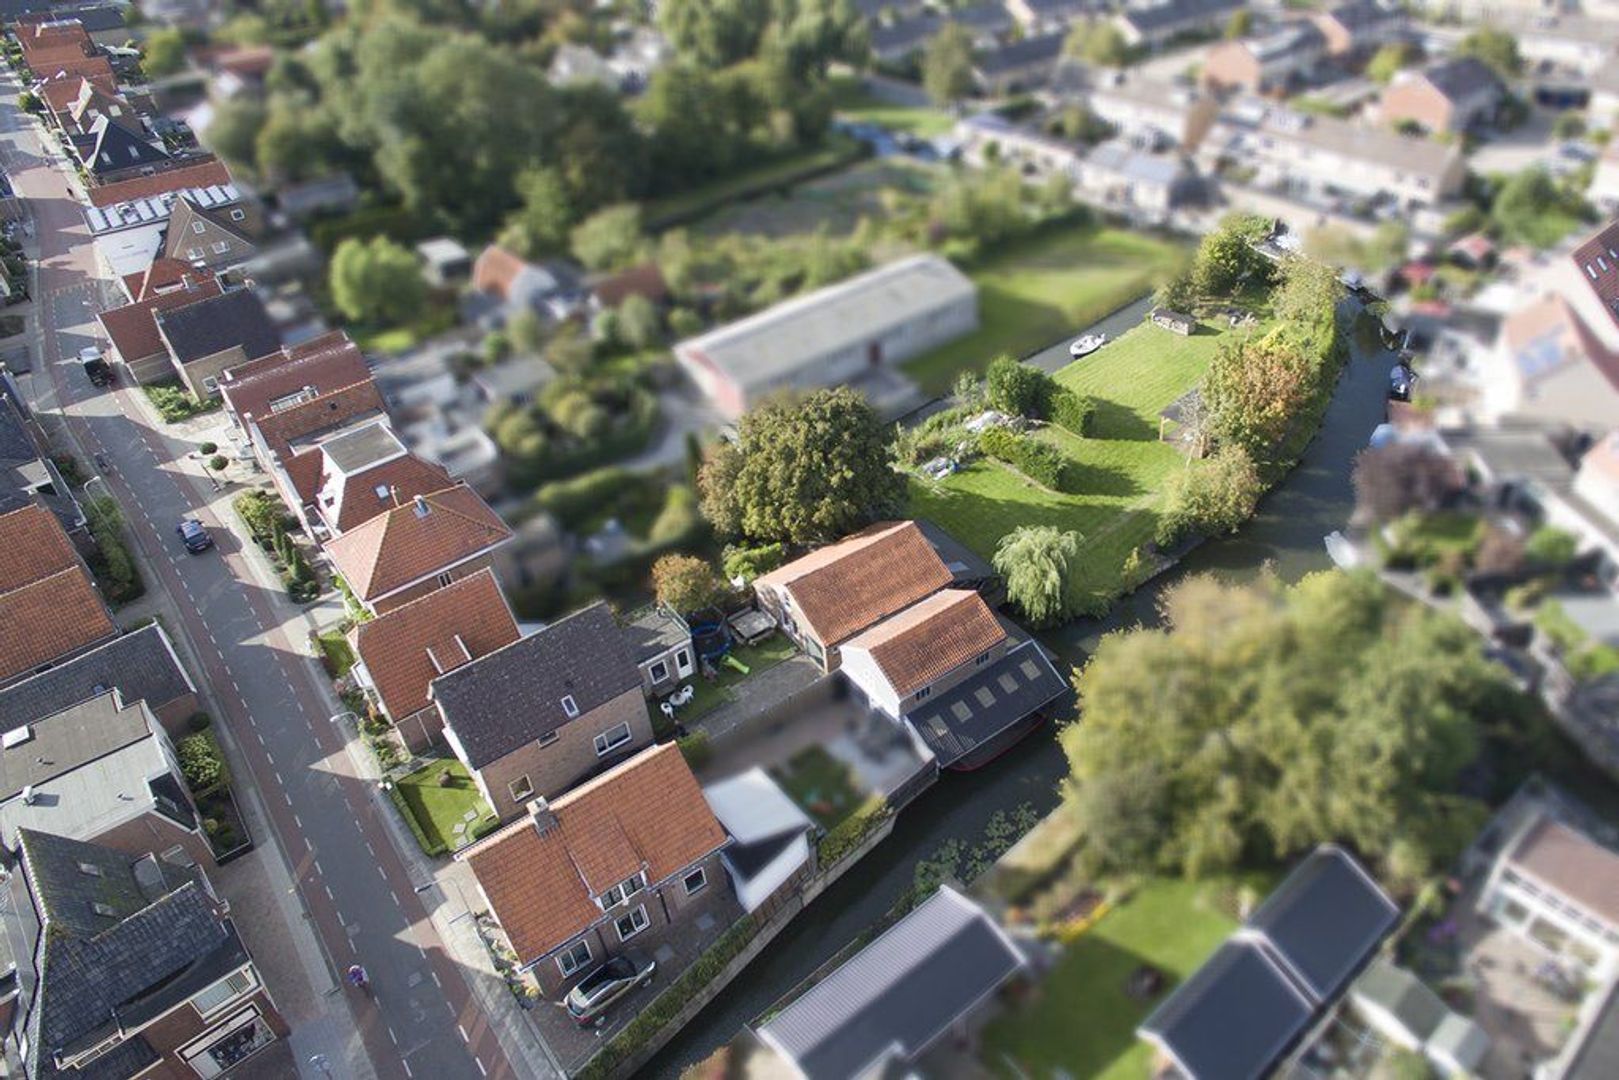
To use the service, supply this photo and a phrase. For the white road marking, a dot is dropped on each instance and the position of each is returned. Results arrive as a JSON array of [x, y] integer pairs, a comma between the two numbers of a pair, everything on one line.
[[329, 895], [297, 821], [369, 848], [392, 1037], [382, 874], [481, 1070], [463, 1032], [406, 1063], [436, 981]]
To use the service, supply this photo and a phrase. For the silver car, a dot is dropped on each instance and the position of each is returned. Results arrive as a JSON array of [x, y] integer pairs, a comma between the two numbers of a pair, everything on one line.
[[597, 992]]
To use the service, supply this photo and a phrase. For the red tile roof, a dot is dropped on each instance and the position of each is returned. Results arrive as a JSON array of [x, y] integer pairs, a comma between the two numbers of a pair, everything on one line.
[[1571, 863], [62, 62], [325, 413], [133, 330], [34, 37], [328, 362], [495, 269], [415, 541], [61, 91], [931, 638], [644, 280], [407, 648], [646, 815], [1597, 261], [202, 174], [404, 478], [1548, 335], [48, 605], [162, 274], [843, 588]]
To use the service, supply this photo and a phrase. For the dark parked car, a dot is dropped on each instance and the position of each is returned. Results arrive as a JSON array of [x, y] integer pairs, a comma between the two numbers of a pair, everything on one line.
[[597, 992], [194, 536]]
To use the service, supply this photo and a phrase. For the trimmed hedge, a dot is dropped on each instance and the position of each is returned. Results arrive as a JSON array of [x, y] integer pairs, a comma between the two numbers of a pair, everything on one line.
[[1040, 462], [1071, 411], [851, 832], [574, 500], [667, 1005]]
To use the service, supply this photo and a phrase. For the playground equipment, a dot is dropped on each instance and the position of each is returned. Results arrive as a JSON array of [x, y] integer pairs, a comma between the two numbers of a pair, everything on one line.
[[735, 664]]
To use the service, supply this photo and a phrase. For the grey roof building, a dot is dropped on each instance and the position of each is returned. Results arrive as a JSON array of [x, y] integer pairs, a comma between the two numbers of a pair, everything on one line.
[[904, 36], [1153, 22], [111, 149], [141, 665], [1236, 1015], [24, 470], [233, 318], [530, 688], [1018, 64], [895, 998]]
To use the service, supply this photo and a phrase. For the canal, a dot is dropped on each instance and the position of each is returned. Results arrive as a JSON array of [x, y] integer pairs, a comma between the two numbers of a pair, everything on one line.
[[1287, 534]]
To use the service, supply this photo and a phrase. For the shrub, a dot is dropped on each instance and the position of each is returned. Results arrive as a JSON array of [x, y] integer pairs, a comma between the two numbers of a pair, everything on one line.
[[1018, 388], [1551, 547], [218, 462], [208, 448], [174, 403], [200, 762], [1210, 497], [685, 583], [573, 501], [199, 721], [263, 515], [1071, 411], [849, 833], [748, 563], [1040, 462]]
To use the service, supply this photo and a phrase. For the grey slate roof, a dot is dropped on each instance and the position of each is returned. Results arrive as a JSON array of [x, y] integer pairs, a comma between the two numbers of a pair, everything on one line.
[[116, 148], [989, 17], [896, 996], [234, 317], [1155, 16], [1324, 920], [956, 721], [1027, 53], [140, 664], [23, 471], [162, 942], [905, 34], [1462, 77], [514, 695], [363, 447], [652, 631], [1233, 1017]]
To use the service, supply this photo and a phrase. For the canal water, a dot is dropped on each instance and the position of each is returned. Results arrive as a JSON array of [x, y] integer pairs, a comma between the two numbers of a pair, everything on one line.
[[1287, 534]]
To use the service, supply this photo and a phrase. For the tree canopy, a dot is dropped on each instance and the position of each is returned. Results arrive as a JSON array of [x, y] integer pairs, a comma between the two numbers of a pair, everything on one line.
[[1099, 42], [1262, 720], [376, 281], [1036, 560], [803, 469], [947, 65], [1495, 47]]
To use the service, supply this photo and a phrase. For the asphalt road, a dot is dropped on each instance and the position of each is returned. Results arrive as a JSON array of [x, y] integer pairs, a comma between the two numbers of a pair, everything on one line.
[[356, 891]]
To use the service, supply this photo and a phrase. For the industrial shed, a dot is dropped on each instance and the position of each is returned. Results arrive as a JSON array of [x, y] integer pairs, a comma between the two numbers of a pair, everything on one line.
[[833, 335]]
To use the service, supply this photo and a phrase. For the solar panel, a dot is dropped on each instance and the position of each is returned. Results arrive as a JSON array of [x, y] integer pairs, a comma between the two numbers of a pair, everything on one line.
[[1540, 355]]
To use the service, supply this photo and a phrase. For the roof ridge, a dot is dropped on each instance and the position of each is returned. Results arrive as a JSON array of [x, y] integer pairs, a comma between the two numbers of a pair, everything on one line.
[[437, 594]]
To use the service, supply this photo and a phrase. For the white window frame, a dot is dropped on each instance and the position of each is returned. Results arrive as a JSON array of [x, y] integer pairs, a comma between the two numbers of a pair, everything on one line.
[[638, 911], [570, 707], [242, 975], [659, 670], [193, 254], [702, 881], [547, 739], [605, 745], [198, 227], [219, 247], [445, 579], [683, 661], [238, 215], [528, 788], [210, 383], [617, 894], [565, 961]]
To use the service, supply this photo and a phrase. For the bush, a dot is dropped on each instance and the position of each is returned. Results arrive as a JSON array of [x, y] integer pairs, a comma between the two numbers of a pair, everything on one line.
[[201, 763], [430, 848], [1040, 462], [175, 403], [1551, 547], [848, 834], [1210, 497], [1071, 411], [748, 563], [218, 462], [263, 515], [696, 749], [199, 721], [208, 449], [679, 520], [685, 583], [574, 501], [1018, 388]]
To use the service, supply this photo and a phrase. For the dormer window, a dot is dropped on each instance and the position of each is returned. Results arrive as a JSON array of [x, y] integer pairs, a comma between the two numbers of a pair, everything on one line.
[[623, 890], [198, 227], [570, 706]]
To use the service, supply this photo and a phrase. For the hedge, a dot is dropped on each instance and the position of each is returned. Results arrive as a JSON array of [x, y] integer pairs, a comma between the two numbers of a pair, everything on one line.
[[852, 831], [667, 1005], [1071, 411], [395, 222], [572, 501], [1040, 462]]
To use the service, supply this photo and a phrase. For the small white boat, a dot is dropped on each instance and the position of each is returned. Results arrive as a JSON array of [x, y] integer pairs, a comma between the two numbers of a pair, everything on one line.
[[1342, 551], [1086, 345]]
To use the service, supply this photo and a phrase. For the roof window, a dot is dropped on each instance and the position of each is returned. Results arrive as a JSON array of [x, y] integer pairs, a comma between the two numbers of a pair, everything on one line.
[[16, 737], [570, 706]]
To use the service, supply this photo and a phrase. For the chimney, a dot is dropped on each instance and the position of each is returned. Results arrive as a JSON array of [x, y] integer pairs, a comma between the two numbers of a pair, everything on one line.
[[421, 507], [539, 810]]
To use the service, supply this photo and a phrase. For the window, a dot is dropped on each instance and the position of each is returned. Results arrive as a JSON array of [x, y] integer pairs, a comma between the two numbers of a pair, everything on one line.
[[623, 890], [548, 738], [924, 692], [238, 215], [220, 248], [659, 671], [695, 882], [444, 579], [198, 227], [570, 706], [222, 992], [982, 659], [521, 789], [631, 923], [193, 254], [210, 383], [574, 957], [683, 662], [612, 739]]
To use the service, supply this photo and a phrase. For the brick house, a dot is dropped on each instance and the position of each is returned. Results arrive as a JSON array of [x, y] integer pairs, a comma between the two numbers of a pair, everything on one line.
[[141, 665], [101, 770], [828, 596], [366, 470], [535, 717], [1452, 96], [50, 608], [196, 173], [1267, 64], [131, 331], [629, 860], [1358, 27], [211, 238], [206, 337], [402, 652], [407, 551], [126, 966], [287, 443]]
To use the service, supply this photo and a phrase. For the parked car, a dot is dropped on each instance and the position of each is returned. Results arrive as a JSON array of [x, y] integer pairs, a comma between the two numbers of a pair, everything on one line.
[[95, 366], [595, 994], [194, 536]]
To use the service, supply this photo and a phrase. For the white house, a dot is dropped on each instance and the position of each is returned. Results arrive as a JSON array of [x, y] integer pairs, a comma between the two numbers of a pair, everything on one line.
[[770, 835], [1559, 890]]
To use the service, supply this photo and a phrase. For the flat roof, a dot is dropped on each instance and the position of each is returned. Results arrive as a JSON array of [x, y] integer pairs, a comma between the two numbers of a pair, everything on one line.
[[760, 350]]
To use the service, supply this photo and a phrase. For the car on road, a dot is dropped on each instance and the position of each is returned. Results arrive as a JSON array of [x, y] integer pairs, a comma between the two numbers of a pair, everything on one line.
[[95, 366], [595, 994], [194, 536]]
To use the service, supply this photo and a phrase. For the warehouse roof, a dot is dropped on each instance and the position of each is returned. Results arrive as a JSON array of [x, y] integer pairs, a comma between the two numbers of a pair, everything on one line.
[[763, 349]]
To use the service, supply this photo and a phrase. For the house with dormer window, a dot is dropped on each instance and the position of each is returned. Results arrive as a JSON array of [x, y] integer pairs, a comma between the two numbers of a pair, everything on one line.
[[535, 717], [627, 861]]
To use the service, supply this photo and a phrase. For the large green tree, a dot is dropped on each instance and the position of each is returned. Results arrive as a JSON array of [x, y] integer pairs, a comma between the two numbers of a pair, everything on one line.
[[803, 469], [947, 65], [163, 52], [1226, 256], [376, 281], [1099, 42], [1036, 561], [1261, 721], [1497, 48]]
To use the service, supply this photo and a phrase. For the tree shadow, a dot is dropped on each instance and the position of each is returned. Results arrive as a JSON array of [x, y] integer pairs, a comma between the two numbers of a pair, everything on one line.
[[1112, 420], [1080, 478]]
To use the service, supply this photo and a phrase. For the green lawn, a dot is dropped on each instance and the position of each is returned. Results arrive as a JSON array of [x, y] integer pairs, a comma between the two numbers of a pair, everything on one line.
[[1035, 292], [337, 653], [1121, 463], [746, 183], [712, 693], [820, 784], [1080, 1022], [439, 808], [853, 102]]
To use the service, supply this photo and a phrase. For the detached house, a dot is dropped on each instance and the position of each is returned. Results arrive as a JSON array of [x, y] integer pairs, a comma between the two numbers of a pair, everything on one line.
[[1268, 64], [1549, 365], [409, 550], [536, 716], [50, 608], [206, 337], [132, 335], [287, 442], [1452, 96], [1152, 23], [402, 652], [1558, 889], [126, 967], [629, 860], [1357, 27]]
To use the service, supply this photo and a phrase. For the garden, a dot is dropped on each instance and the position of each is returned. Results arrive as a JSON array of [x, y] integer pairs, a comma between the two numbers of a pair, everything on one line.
[[442, 806], [278, 535], [820, 784], [174, 403], [206, 775], [1116, 472]]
